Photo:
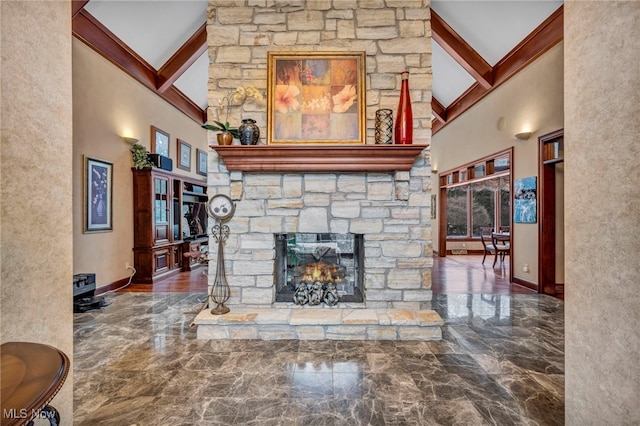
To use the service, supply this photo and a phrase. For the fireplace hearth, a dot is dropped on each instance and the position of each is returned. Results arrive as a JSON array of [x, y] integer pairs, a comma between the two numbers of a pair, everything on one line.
[[319, 269]]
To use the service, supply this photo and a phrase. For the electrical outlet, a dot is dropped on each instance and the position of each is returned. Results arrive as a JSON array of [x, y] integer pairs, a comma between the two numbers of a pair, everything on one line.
[[128, 265], [525, 268]]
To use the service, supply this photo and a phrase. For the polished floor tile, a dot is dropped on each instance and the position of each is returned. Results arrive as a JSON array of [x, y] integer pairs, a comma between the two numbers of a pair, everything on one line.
[[501, 362]]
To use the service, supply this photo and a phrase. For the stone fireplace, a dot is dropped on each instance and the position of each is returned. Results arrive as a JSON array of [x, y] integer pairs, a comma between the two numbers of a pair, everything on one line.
[[314, 269], [389, 211], [387, 208]]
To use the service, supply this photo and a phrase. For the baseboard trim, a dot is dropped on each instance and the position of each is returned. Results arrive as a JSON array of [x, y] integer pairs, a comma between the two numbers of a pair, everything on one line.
[[468, 252], [529, 284], [113, 286]]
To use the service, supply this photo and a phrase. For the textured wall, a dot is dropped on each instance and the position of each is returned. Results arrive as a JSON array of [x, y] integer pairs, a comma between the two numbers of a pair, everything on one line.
[[533, 98], [602, 206], [36, 178], [107, 104]]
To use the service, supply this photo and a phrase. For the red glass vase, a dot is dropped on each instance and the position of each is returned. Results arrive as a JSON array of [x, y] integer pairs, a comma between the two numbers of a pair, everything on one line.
[[403, 130]]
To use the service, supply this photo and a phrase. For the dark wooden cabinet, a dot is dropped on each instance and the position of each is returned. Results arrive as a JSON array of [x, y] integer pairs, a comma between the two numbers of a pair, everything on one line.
[[165, 208]]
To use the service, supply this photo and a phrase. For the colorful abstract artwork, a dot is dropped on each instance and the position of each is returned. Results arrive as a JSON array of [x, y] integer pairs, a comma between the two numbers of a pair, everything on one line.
[[525, 200], [316, 97]]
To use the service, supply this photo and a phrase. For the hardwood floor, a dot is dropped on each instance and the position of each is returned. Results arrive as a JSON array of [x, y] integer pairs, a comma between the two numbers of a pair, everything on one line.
[[451, 274], [466, 274], [185, 282]]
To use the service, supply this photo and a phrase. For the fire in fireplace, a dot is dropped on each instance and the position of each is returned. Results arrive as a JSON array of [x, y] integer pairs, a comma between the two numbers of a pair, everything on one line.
[[312, 269]]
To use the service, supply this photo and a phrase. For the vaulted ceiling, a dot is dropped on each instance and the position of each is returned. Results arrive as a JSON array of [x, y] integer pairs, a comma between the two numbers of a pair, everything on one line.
[[477, 46]]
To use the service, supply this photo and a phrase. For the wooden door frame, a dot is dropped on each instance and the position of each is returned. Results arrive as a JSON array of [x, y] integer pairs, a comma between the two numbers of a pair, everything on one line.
[[547, 217], [442, 214]]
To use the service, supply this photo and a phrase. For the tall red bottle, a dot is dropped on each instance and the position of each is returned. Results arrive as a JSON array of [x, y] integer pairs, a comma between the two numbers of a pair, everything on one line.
[[403, 130]]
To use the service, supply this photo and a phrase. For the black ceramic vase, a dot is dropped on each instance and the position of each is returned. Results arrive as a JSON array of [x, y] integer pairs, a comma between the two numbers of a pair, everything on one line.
[[248, 132]]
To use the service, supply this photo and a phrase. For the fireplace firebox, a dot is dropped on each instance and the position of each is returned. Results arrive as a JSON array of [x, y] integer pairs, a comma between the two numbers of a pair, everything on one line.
[[319, 269]]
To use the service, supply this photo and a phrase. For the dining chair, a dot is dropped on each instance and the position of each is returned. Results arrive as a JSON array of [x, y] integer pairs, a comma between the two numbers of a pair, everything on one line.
[[487, 244], [502, 246]]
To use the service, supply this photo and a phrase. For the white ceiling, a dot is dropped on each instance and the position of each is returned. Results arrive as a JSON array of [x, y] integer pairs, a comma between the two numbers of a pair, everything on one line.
[[157, 29], [493, 28]]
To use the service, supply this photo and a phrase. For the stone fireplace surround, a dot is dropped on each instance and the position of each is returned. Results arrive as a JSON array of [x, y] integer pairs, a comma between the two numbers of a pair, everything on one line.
[[390, 206], [391, 210]]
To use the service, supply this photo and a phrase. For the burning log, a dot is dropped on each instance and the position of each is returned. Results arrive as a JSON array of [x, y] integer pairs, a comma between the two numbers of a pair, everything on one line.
[[319, 271], [316, 281]]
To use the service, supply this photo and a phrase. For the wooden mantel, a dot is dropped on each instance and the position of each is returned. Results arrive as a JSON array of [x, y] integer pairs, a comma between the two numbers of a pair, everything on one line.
[[318, 158]]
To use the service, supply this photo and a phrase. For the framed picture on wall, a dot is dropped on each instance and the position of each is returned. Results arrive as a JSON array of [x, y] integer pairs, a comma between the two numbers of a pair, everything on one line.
[[201, 162], [159, 142], [184, 155], [98, 195], [525, 195], [316, 98]]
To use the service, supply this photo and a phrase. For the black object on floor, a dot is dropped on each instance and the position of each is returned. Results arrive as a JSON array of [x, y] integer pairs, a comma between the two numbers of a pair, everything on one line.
[[84, 287], [86, 304]]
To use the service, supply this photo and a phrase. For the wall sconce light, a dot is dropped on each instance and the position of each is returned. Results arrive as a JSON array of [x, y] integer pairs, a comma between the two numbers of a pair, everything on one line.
[[129, 140], [434, 171], [523, 136]]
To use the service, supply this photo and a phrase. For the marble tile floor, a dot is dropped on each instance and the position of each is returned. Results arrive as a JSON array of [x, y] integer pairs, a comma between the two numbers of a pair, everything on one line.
[[501, 362]]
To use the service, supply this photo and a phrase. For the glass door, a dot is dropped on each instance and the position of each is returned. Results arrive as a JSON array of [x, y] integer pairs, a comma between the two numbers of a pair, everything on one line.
[[161, 209]]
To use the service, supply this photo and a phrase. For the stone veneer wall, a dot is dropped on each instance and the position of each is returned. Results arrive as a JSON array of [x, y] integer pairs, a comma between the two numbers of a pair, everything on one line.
[[392, 210]]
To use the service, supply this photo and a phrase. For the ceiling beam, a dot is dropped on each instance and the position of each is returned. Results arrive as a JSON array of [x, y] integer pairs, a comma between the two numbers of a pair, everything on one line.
[[438, 110], [436, 125], [181, 101], [465, 101], [95, 35], [461, 51], [543, 38], [184, 57], [88, 29], [77, 6]]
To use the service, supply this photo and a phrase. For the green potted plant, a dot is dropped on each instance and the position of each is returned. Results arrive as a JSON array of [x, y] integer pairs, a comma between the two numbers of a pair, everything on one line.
[[140, 157], [236, 97], [227, 133]]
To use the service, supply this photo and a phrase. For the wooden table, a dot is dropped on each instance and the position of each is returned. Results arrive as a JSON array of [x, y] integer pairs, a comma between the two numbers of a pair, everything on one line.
[[32, 374]]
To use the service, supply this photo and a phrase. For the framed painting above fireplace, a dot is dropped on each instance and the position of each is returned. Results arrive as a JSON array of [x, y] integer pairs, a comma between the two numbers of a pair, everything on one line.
[[316, 98]]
